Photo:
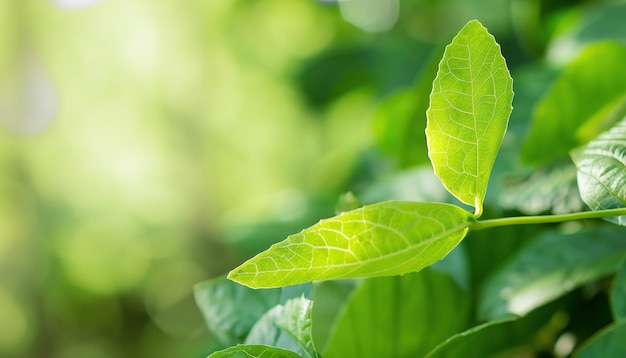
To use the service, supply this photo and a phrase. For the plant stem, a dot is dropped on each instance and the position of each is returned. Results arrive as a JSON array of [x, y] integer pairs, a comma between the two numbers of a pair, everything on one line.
[[545, 219]]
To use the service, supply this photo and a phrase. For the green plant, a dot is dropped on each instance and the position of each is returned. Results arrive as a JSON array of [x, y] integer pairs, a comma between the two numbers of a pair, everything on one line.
[[413, 304]]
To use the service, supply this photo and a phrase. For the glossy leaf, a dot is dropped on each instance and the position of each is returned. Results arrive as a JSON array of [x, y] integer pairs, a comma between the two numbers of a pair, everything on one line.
[[469, 110], [602, 171], [384, 239], [230, 310], [549, 267], [618, 294], [400, 316], [254, 351], [609, 342], [578, 106]]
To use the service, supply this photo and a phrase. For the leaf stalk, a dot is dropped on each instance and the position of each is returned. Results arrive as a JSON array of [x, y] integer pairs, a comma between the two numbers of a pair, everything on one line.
[[546, 219]]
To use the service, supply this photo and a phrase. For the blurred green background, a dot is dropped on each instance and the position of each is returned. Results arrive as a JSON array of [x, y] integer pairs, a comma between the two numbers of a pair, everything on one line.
[[149, 145]]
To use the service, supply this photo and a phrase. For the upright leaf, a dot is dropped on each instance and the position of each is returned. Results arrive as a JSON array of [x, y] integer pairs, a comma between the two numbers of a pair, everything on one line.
[[383, 239], [551, 266], [602, 171], [581, 104], [469, 110], [397, 316]]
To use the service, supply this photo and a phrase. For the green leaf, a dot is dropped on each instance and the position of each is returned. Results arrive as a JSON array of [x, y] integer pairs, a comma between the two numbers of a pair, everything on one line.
[[400, 119], [552, 188], [329, 298], [286, 326], [475, 339], [549, 267], [602, 171], [577, 106], [383, 239], [230, 310], [400, 316], [469, 110], [254, 351], [618, 294], [609, 342]]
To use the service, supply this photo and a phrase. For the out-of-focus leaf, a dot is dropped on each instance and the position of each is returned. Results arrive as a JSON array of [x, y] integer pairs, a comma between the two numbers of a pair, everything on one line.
[[347, 202], [230, 310], [28, 99], [599, 21], [254, 351], [384, 239], [330, 298], [401, 118], [549, 267], [552, 188], [475, 339], [468, 114], [609, 342], [618, 294], [602, 171], [416, 184], [286, 326], [591, 87], [400, 316]]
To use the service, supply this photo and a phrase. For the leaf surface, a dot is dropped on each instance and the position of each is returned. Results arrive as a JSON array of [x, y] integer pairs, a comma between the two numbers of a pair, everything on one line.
[[384, 239], [470, 105], [549, 267], [399, 316], [609, 342], [618, 294], [286, 326], [230, 309], [254, 351], [580, 104], [601, 168]]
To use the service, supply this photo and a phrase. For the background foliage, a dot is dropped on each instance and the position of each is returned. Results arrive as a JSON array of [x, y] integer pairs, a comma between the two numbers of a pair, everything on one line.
[[150, 145]]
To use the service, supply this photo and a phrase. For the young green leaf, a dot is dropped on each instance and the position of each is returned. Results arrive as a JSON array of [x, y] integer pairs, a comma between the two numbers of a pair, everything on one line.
[[470, 105], [395, 316], [384, 239], [254, 351], [551, 266], [580, 105], [602, 171]]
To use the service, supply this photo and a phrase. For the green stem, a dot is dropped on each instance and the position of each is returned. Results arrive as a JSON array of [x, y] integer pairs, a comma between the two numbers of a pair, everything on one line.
[[544, 219]]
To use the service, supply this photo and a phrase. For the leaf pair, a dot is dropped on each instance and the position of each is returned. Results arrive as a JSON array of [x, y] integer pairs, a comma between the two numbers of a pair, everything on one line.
[[469, 109]]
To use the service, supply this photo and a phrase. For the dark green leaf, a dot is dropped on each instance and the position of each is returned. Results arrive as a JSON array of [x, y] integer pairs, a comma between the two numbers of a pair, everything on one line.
[[469, 110], [254, 351], [400, 316], [618, 294], [602, 171], [609, 342], [230, 309], [578, 106], [384, 239], [549, 267]]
